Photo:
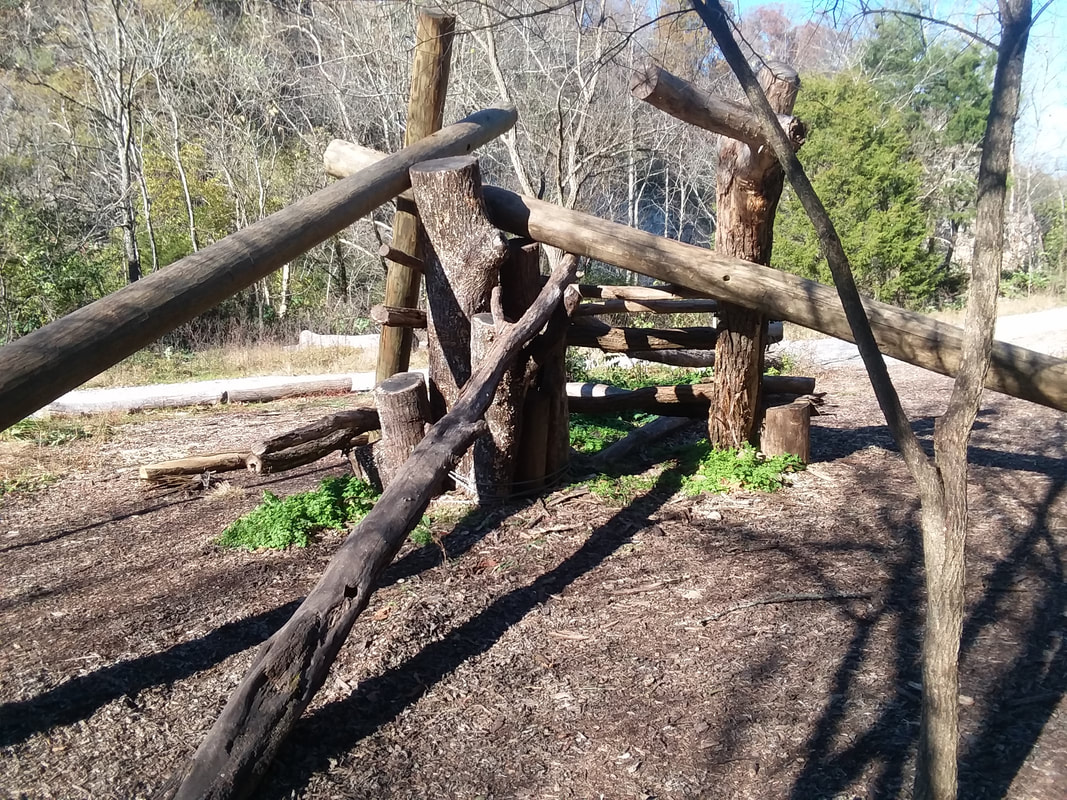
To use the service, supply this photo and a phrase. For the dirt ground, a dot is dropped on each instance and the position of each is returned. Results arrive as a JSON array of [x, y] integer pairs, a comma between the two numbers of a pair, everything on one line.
[[741, 646]]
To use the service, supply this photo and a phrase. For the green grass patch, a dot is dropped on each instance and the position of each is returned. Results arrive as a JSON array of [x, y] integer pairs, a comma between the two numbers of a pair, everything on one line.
[[47, 432], [278, 523], [591, 433], [621, 488], [26, 483], [720, 471]]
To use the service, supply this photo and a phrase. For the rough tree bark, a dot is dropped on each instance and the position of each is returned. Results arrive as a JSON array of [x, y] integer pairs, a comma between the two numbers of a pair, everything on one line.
[[462, 255], [293, 664], [748, 187], [404, 409], [942, 481]]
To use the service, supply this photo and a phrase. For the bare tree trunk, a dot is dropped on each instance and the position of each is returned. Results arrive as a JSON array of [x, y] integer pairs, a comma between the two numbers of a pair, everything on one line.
[[748, 185], [942, 483], [945, 503]]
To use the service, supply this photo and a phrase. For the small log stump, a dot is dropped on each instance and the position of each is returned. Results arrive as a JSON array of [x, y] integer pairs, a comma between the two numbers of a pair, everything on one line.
[[404, 411], [787, 429]]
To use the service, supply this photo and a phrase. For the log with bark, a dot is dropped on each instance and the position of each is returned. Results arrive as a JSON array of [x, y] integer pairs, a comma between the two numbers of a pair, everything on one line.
[[611, 339], [650, 306], [906, 335], [394, 317], [193, 465], [292, 665], [426, 104], [356, 421], [305, 453], [689, 400], [682, 100], [43, 364], [748, 185]]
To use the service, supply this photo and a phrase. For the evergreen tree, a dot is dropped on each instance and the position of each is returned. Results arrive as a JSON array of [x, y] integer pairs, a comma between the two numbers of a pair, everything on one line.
[[859, 158]]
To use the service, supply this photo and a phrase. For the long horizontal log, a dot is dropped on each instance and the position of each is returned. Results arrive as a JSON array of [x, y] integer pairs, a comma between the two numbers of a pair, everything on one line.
[[356, 420], [44, 364], [682, 100], [610, 339], [672, 401], [692, 359], [193, 465], [639, 293], [647, 306], [292, 665], [306, 452], [906, 335], [284, 389]]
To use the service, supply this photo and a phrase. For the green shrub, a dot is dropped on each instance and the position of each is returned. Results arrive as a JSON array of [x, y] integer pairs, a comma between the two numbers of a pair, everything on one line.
[[278, 523], [720, 471]]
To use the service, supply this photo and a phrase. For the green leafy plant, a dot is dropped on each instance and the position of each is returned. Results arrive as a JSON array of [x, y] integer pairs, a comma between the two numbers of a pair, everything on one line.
[[422, 534], [590, 433], [720, 471], [278, 523]]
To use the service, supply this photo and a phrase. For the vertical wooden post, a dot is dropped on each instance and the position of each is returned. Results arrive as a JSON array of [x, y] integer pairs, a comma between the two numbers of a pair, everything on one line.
[[404, 411], [426, 103], [461, 259], [749, 185], [492, 466]]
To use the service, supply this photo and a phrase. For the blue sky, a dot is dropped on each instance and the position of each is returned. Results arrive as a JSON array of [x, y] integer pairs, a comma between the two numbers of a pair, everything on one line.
[[1041, 133]]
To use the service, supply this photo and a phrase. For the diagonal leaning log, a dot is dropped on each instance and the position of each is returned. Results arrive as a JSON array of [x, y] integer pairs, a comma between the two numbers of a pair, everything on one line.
[[292, 665], [42, 365]]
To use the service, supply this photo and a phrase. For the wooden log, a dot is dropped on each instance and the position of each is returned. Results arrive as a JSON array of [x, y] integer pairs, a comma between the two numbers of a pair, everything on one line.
[[520, 281], [906, 335], [654, 431], [399, 256], [647, 306], [306, 452], [426, 103], [639, 293], [748, 186], [463, 255], [293, 664], [283, 389], [787, 430], [685, 400], [193, 465], [494, 454], [682, 100], [693, 359], [398, 317], [595, 333], [44, 364], [404, 410], [357, 420]]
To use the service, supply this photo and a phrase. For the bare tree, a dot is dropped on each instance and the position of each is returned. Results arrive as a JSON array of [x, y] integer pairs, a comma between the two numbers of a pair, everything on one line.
[[941, 481]]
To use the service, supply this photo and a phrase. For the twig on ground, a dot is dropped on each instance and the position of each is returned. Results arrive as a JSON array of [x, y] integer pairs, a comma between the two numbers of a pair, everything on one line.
[[784, 598]]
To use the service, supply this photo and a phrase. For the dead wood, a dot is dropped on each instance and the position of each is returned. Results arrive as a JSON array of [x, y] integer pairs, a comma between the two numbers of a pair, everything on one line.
[[193, 465], [292, 665]]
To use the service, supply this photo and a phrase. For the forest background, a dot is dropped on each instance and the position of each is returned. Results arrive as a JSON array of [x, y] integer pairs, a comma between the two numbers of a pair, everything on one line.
[[136, 133]]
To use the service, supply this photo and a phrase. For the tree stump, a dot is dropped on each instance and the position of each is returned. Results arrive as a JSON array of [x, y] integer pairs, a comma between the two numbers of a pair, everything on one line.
[[404, 411], [749, 185], [787, 430], [462, 256]]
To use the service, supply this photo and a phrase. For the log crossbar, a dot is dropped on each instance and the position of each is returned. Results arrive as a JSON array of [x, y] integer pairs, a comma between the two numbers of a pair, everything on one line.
[[42, 365], [905, 335]]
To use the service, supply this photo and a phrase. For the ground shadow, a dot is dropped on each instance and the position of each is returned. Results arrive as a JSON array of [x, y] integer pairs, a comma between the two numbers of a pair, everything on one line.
[[338, 726], [1022, 697], [79, 698]]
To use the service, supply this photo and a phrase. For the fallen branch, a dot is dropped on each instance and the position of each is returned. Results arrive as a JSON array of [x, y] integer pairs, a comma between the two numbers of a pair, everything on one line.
[[193, 465], [784, 598], [292, 665]]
